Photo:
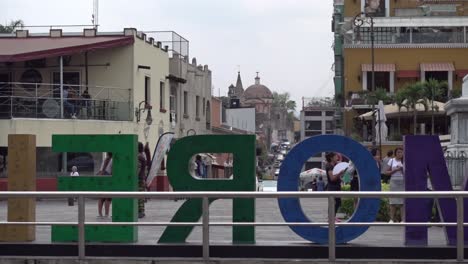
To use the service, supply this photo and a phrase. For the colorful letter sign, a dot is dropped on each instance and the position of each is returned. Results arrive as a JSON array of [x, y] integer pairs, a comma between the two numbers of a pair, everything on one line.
[[424, 158], [369, 180], [124, 152], [243, 149]]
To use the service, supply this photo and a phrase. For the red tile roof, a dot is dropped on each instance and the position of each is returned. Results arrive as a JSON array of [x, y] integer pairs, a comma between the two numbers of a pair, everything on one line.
[[23, 49]]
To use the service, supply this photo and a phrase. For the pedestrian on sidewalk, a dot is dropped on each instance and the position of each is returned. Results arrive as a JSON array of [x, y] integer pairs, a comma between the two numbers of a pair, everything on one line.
[[384, 169], [320, 184], [397, 184], [106, 169], [73, 173], [334, 180], [141, 159]]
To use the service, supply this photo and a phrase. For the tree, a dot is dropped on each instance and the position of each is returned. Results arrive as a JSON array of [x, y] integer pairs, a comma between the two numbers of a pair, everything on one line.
[[433, 90], [399, 100], [12, 26], [283, 101], [414, 95]]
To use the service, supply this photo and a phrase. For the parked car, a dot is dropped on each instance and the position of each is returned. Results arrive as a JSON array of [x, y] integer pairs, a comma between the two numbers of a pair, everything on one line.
[[277, 172]]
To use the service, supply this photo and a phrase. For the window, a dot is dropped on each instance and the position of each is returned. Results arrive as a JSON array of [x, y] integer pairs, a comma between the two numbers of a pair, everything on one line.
[[161, 95], [330, 113], [173, 102], [312, 133], [148, 90], [204, 106], [185, 103], [313, 113], [197, 106], [440, 76], [313, 125], [329, 125], [382, 80]]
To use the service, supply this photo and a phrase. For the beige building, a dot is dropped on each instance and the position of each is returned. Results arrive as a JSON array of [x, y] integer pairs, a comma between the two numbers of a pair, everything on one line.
[[45, 80]]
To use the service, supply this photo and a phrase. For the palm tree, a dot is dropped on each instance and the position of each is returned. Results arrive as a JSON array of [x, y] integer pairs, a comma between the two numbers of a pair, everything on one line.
[[12, 26], [399, 99], [433, 90], [414, 95]]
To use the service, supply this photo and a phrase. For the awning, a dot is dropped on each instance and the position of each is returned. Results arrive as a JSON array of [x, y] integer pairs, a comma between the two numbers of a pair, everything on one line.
[[461, 73], [31, 48], [391, 110], [408, 74], [444, 66], [378, 67]]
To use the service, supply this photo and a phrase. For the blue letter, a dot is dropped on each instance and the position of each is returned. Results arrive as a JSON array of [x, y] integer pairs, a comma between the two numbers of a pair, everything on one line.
[[369, 180]]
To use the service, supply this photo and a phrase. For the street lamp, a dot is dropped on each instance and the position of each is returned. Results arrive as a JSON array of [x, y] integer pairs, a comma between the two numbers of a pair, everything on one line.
[[359, 20]]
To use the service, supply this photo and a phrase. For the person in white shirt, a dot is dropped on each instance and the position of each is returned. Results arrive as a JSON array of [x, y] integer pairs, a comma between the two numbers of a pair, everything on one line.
[[397, 183], [74, 172]]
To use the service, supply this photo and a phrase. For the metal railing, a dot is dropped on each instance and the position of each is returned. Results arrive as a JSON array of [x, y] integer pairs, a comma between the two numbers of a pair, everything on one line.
[[43, 100], [206, 224]]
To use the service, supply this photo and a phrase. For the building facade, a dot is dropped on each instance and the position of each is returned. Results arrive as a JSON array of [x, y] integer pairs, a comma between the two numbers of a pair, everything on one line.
[[317, 118], [414, 41], [81, 83], [190, 97]]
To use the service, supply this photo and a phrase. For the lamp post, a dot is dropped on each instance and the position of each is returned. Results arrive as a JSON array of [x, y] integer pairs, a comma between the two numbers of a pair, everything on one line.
[[359, 20]]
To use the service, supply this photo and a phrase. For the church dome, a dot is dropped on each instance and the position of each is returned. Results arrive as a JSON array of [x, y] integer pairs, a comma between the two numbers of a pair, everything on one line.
[[257, 91]]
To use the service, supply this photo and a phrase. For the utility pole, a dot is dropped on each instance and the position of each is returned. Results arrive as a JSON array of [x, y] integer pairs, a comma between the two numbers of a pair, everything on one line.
[[95, 16]]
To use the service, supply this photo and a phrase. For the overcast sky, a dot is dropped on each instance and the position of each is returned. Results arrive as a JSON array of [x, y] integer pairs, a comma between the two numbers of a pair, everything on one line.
[[288, 42]]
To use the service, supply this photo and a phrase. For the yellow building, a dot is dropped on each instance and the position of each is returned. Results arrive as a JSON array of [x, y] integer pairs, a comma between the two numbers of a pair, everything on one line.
[[82, 83], [414, 41]]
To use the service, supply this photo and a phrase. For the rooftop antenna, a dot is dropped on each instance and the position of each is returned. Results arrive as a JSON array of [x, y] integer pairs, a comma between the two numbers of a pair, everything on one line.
[[94, 17]]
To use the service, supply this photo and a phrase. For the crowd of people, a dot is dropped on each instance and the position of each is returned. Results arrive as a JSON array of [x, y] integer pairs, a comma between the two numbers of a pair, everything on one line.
[[392, 171]]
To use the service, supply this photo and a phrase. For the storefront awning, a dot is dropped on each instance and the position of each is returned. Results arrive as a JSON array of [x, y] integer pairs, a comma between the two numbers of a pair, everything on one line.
[[444, 66], [378, 67], [31, 48], [407, 74]]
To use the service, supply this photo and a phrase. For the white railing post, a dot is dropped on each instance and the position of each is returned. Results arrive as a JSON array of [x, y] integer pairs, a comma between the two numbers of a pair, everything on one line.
[[81, 227], [206, 228], [331, 229]]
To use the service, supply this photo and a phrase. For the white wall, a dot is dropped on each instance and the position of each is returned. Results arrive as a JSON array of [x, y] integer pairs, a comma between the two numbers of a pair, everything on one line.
[[241, 118]]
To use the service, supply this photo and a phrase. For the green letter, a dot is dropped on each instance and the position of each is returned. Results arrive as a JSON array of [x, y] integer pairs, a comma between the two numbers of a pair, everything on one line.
[[243, 149], [124, 152]]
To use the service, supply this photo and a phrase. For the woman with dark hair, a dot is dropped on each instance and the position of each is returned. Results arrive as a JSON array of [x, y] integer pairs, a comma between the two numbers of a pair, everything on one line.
[[396, 172], [334, 180]]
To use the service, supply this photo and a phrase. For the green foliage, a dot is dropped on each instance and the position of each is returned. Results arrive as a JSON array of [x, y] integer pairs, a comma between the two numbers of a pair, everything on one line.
[[373, 97], [283, 101], [347, 205], [12, 26], [435, 89], [456, 93]]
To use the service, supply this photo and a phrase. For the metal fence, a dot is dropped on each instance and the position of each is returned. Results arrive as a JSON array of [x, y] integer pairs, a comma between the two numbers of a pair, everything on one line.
[[206, 224], [43, 100]]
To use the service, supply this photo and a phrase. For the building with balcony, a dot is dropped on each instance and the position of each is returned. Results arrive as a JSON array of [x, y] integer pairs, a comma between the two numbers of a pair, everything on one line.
[[317, 118], [415, 40], [82, 83]]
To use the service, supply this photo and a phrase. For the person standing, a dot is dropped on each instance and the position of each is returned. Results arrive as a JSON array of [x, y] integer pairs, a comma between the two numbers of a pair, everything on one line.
[[73, 173], [141, 159], [396, 172], [106, 169], [384, 169], [334, 180]]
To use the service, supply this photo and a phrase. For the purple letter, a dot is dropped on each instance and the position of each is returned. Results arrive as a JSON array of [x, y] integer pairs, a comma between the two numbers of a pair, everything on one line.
[[424, 157]]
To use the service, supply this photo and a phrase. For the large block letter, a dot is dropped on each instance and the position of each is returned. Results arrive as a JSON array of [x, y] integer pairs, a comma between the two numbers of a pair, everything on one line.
[[243, 149], [21, 177], [424, 157], [369, 180], [124, 152]]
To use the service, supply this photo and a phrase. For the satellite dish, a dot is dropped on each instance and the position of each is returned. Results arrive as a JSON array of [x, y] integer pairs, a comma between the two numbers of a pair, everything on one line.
[[50, 108]]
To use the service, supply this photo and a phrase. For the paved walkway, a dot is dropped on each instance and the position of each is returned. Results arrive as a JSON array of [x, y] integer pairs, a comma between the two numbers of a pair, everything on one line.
[[267, 210]]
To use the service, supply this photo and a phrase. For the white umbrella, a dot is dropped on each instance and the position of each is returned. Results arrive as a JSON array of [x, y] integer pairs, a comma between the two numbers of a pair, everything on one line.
[[381, 127]]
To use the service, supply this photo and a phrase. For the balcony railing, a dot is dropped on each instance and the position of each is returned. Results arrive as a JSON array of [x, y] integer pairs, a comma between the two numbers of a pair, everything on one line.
[[410, 37], [43, 100]]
